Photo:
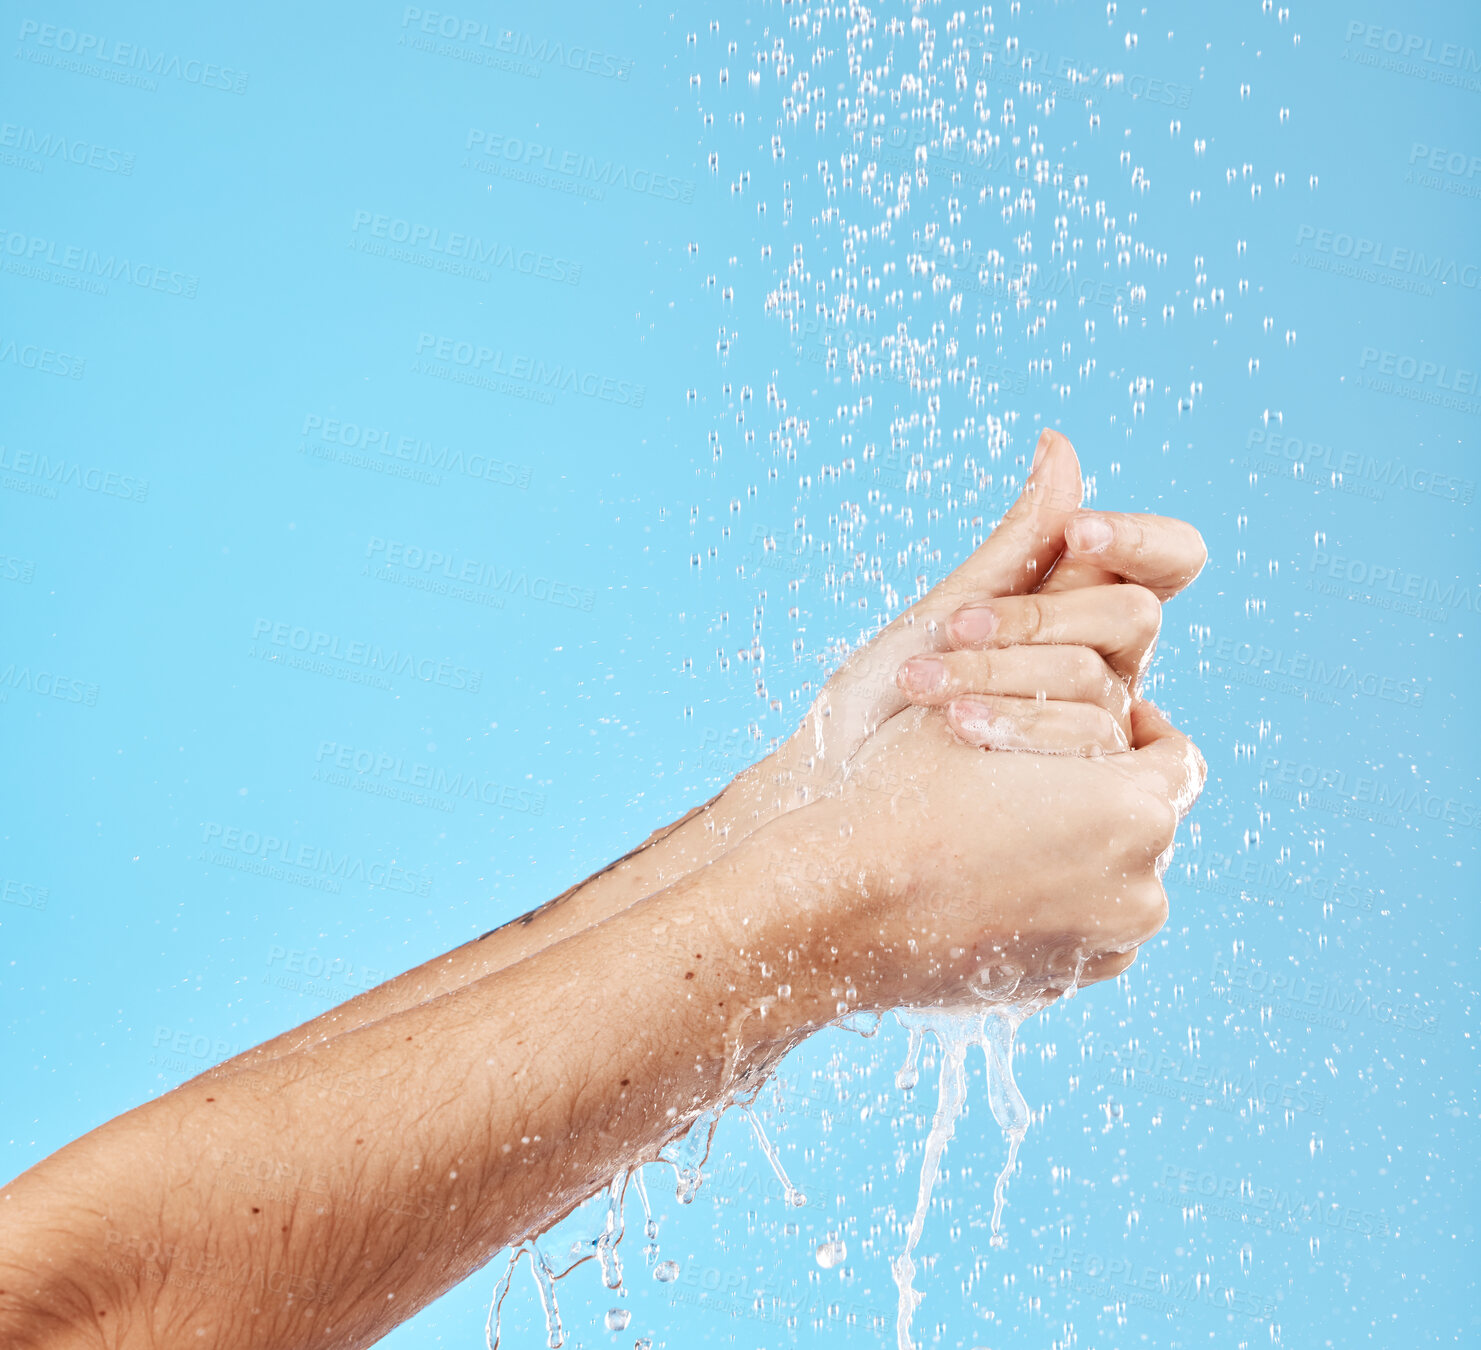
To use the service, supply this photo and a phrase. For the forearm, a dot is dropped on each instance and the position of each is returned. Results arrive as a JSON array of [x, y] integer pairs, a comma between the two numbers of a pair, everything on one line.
[[698, 838], [668, 855], [402, 1155]]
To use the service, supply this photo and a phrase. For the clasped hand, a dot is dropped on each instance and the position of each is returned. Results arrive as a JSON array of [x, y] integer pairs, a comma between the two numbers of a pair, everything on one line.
[[956, 866]]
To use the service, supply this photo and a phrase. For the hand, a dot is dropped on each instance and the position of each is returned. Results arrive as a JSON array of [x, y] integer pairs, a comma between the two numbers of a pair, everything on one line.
[[1069, 658], [1043, 535], [1052, 672], [967, 876]]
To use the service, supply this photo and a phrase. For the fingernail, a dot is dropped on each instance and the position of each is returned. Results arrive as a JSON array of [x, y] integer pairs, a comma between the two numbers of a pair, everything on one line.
[[923, 674], [1088, 534], [972, 718], [976, 623], [1046, 439]]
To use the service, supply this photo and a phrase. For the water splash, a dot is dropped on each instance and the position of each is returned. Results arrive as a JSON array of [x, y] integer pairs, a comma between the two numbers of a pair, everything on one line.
[[607, 1244], [545, 1278], [995, 1030], [1009, 1109], [491, 1327], [792, 1195], [992, 1026], [555, 1335], [650, 1225], [909, 1074], [687, 1154], [954, 1034]]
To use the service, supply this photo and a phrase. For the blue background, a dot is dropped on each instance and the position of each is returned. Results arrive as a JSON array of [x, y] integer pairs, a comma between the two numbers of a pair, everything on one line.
[[1265, 1132]]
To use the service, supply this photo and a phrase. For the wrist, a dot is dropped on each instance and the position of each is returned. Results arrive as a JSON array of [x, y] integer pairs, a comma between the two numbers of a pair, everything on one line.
[[783, 896]]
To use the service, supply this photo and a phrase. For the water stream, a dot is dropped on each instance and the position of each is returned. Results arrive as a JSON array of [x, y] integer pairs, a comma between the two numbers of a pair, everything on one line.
[[993, 1028]]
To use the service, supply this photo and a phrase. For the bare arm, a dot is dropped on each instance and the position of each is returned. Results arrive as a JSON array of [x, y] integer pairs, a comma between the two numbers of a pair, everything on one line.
[[1152, 551], [403, 1154]]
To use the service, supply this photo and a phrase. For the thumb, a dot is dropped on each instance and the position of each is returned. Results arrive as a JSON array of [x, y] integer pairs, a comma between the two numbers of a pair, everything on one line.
[[1164, 759], [1014, 559], [1018, 554]]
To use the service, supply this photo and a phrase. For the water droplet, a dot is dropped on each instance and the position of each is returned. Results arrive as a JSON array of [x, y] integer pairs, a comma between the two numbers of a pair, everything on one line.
[[666, 1272], [618, 1318], [832, 1253]]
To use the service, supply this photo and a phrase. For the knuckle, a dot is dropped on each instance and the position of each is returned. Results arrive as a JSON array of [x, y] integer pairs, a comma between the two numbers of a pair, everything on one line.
[[1149, 910], [1087, 673], [1197, 552], [1143, 609], [1033, 619], [970, 672], [1200, 768], [1162, 824], [1105, 731]]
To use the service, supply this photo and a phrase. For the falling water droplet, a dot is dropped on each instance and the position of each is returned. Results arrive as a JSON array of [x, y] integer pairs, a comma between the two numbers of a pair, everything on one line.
[[793, 1196], [831, 1253]]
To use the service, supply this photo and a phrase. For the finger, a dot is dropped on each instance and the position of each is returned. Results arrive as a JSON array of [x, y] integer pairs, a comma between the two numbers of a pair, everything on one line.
[[1058, 674], [1018, 554], [1120, 622], [862, 693], [1071, 573], [1034, 724], [1107, 967], [1158, 552], [1165, 760]]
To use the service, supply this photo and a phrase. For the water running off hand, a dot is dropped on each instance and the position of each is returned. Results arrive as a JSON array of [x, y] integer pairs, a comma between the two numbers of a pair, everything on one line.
[[994, 1029]]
